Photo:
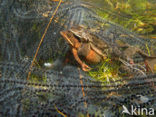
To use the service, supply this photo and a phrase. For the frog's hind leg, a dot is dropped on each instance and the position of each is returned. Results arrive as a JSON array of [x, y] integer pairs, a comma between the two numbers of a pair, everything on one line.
[[83, 65], [67, 58], [148, 67]]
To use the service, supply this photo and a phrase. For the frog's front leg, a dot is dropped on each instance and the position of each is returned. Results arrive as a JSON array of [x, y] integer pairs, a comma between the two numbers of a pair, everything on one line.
[[83, 65]]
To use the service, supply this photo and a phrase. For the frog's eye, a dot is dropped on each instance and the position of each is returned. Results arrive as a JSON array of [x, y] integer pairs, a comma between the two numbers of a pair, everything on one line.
[[69, 35], [123, 48]]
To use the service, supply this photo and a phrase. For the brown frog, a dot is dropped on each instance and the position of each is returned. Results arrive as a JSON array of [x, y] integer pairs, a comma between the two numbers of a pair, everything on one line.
[[85, 44], [129, 51]]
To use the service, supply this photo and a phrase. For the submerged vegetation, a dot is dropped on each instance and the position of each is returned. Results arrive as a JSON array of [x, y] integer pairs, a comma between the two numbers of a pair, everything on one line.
[[105, 72], [137, 15]]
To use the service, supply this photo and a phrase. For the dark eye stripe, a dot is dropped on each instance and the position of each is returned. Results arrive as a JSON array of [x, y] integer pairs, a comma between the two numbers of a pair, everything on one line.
[[78, 38]]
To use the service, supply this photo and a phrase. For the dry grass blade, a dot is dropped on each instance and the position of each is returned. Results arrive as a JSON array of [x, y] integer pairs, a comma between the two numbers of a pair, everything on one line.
[[42, 38]]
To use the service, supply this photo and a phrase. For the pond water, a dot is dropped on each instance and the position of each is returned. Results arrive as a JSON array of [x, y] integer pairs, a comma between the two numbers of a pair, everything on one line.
[[58, 86]]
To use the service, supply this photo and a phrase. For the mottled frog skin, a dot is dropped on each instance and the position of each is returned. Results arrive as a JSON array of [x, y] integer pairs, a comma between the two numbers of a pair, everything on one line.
[[83, 43]]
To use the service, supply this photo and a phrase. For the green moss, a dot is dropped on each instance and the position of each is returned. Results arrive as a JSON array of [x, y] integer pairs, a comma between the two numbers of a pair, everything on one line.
[[106, 71], [38, 79], [26, 104]]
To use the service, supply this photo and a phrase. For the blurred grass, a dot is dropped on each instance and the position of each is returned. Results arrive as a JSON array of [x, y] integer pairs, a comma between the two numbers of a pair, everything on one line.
[[136, 15]]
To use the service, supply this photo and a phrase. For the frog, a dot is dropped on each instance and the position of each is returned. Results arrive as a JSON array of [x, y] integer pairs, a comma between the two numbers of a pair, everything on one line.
[[85, 44], [129, 51]]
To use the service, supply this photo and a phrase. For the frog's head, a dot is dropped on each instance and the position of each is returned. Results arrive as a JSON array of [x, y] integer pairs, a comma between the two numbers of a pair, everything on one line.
[[70, 38], [80, 32]]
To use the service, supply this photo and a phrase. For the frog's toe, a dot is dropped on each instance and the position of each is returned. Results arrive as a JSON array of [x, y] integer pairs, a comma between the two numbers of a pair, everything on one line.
[[85, 67]]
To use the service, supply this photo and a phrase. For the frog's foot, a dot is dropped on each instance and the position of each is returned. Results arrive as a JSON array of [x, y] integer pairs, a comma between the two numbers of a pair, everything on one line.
[[131, 62], [85, 67], [148, 67]]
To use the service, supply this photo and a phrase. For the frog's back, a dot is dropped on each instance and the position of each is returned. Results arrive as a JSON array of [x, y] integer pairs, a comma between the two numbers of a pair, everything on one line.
[[99, 43]]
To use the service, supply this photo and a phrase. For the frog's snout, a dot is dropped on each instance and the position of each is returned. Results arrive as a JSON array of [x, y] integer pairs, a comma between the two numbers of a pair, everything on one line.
[[67, 37], [62, 32]]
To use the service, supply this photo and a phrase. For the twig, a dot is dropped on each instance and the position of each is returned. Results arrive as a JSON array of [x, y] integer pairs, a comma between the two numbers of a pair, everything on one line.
[[83, 93], [42, 38], [60, 111]]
